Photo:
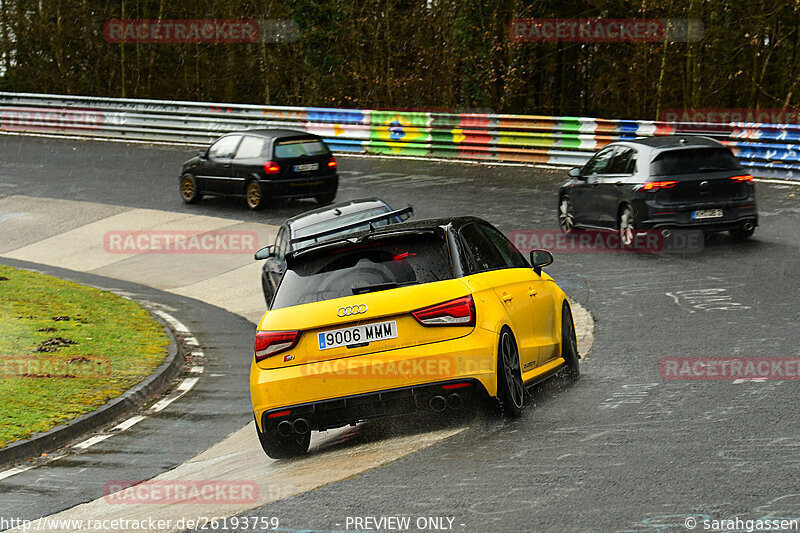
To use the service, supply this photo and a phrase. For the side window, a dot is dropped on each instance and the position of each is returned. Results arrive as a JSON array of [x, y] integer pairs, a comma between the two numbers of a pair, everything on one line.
[[482, 255], [623, 162], [509, 252], [282, 243], [250, 148], [224, 148], [599, 163]]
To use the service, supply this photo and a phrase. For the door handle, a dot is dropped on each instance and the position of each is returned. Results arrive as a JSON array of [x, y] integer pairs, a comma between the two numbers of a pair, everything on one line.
[[507, 297], [226, 165], [533, 292], [618, 184]]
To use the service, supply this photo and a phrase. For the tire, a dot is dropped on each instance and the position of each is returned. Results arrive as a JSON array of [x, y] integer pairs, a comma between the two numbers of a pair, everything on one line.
[[254, 196], [741, 235], [510, 390], [190, 194], [569, 344], [627, 227], [325, 199], [566, 216], [278, 447]]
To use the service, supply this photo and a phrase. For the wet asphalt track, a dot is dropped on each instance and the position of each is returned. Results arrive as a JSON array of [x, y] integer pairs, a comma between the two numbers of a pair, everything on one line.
[[621, 450]]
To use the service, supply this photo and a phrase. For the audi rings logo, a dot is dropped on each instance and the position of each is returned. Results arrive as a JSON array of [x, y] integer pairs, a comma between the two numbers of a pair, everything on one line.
[[352, 310]]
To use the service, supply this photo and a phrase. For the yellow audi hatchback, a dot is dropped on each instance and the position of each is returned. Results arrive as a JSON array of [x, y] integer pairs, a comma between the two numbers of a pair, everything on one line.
[[430, 315]]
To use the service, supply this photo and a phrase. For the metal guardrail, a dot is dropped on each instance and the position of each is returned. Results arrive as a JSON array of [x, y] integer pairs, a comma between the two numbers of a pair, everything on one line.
[[767, 149]]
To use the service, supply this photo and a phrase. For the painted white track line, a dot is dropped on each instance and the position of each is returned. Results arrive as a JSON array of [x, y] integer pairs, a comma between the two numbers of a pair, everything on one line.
[[183, 387], [14, 471], [92, 441]]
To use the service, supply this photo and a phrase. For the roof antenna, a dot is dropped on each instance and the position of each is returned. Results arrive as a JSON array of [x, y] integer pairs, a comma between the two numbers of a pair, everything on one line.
[[371, 227]]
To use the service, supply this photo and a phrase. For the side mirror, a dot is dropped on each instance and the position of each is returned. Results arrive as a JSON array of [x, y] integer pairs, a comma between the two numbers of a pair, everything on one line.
[[539, 259], [575, 172], [202, 153], [265, 252]]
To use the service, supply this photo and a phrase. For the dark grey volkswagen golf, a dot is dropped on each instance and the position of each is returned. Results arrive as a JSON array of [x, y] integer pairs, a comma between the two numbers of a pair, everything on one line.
[[261, 165], [660, 183]]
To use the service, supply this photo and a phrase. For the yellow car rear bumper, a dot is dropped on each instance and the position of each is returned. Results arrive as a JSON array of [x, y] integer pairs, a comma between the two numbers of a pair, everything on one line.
[[470, 358]]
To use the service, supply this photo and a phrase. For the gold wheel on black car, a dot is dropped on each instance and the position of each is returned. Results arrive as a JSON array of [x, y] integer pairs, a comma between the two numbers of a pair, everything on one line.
[[189, 192]]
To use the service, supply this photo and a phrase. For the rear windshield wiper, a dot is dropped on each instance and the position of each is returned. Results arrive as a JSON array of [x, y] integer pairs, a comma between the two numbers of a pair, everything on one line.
[[378, 287]]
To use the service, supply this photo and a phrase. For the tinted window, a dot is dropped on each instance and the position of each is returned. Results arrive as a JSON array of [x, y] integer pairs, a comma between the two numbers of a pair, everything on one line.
[[482, 255], [251, 147], [397, 262], [224, 148], [692, 161], [623, 162], [285, 149], [281, 243], [508, 251], [599, 163]]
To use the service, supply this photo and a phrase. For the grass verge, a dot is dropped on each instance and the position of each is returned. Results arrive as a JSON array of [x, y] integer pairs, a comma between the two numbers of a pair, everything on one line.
[[67, 349]]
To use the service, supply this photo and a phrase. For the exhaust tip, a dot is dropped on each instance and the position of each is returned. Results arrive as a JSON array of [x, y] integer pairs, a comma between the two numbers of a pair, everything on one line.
[[454, 401], [748, 226], [301, 426], [438, 403], [666, 233], [285, 428]]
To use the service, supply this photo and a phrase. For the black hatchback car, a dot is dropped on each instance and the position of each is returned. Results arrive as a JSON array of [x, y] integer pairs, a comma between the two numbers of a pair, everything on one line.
[[320, 224], [660, 183], [261, 165]]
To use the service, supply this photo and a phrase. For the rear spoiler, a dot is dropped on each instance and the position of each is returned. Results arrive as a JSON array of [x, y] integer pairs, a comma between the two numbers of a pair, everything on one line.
[[357, 224]]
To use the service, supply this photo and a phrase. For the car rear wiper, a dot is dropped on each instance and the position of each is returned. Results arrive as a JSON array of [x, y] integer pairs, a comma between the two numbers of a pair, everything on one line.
[[379, 287]]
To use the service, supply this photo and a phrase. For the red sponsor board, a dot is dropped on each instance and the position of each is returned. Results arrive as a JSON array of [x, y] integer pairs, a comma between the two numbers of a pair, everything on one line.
[[49, 119]]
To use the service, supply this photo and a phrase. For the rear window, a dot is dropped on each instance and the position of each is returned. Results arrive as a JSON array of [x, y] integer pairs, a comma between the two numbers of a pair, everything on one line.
[[299, 148], [365, 268], [693, 161], [344, 220]]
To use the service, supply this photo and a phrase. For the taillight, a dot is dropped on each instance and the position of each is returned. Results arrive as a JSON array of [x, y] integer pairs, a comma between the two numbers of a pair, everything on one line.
[[459, 312], [655, 185], [332, 162], [746, 178], [269, 343], [451, 386], [271, 167]]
